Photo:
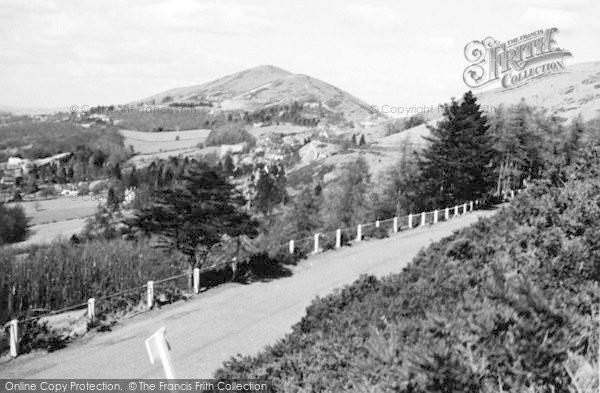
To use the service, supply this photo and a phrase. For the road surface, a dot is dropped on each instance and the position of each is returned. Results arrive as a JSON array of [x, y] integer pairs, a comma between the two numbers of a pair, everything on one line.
[[230, 319]]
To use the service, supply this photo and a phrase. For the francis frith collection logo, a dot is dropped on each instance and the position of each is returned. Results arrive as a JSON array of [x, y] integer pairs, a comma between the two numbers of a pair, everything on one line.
[[515, 62]]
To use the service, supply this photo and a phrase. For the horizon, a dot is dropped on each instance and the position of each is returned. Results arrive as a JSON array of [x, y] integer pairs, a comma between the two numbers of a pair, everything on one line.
[[61, 54]]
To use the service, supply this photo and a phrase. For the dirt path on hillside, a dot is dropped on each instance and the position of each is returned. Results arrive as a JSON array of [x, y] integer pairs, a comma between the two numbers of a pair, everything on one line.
[[230, 319]]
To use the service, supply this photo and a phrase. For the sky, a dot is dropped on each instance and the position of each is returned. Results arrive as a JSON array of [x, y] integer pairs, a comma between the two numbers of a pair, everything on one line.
[[398, 53]]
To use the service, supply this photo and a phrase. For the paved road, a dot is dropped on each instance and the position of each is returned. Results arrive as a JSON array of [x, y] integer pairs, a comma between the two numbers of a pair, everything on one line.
[[230, 319]]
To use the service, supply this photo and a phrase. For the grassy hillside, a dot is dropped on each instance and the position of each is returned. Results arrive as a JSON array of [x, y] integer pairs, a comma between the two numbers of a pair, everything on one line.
[[509, 304], [574, 92], [263, 87]]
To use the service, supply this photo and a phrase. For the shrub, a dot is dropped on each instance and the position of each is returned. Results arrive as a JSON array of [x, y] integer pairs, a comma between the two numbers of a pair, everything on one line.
[[92, 269], [13, 224], [229, 134]]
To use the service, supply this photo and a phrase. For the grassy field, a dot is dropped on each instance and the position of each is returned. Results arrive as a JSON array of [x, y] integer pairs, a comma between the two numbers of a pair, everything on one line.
[[46, 233], [59, 209], [156, 142]]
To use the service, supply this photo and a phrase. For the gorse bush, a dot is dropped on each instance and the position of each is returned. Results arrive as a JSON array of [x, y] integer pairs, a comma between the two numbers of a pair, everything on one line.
[[499, 306]]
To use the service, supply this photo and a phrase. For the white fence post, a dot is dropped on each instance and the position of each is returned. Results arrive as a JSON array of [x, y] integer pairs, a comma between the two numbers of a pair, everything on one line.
[[196, 280], [423, 219], [359, 233], [435, 216], [464, 207], [157, 347], [410, 220], [471, 205], [395, 224], [234, 266], [455, 210], [150, 294], [447, 214], [316, 243], [377, 224], [338, 238], [14, 338], [91, 308], [291, 246], [512, 194]]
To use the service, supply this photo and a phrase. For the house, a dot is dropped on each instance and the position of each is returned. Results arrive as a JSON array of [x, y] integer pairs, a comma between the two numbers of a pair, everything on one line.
[[129, 196], [69, 193], [56, 159], [14, 162], [7, 179], [232, 149]]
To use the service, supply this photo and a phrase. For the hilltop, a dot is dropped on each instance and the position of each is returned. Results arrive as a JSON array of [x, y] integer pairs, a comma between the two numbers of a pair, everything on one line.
[[263, 87]]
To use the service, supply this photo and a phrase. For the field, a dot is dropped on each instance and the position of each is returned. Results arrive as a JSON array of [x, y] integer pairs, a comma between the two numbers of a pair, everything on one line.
[[52, 218], [46, 233], [156, 142], [59, 209]]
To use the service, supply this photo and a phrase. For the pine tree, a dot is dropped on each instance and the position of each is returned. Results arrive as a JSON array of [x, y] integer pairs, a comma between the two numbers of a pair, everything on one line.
[[132, 180], [513, 133], [398, 191], [457, 165], [112, 201], [269, 189], [346, 201], [304, 215], [192, 215], [228, 166]]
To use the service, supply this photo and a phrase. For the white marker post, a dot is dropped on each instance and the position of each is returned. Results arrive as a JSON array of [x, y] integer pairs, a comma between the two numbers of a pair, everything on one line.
[[338, 238], [291, 246], [455, 210], [91, 308], [359, 233], [410, 221], [395, 224], [435, 216], [447, 214], [234, 266], [316, 250], [423, 219], [158, 348], [150, 294], [14, 337], [377, 224], [196, 280], [471, 205], [465, 208]]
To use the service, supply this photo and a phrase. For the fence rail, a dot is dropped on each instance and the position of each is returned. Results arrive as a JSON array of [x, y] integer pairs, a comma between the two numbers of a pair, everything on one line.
[[307, 245]]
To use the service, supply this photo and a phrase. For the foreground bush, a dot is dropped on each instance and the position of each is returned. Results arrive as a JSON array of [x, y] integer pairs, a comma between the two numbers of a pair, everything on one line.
[[504, 305], [64, 274], [13, 224]]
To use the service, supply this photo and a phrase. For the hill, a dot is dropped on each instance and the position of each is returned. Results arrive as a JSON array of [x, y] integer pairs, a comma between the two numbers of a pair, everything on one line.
[[576, 91], [565, 95], [262, 87]]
